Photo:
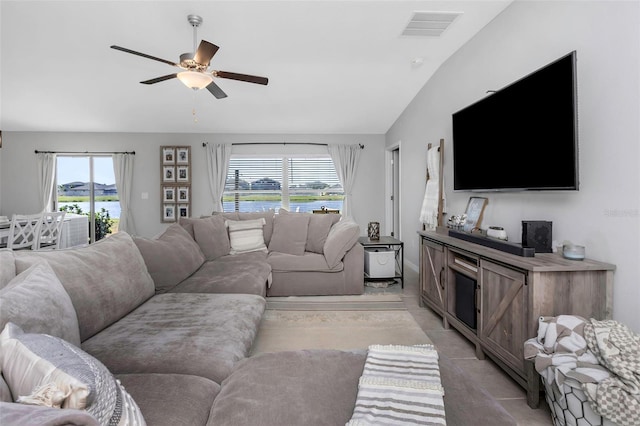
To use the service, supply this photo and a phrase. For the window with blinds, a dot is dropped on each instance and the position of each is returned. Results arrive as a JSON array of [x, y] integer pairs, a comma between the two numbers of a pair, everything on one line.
[[301, 184]]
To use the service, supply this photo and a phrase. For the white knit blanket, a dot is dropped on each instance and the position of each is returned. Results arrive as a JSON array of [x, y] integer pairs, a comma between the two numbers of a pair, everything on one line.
[[400, 385]]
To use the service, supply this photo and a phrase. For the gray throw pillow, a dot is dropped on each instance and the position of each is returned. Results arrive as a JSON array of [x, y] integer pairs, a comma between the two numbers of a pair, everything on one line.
[[342, 236], [211, 235], [37, 302], [105, 280], [289, 233], [171, 257], [319, 227], [48, 371]]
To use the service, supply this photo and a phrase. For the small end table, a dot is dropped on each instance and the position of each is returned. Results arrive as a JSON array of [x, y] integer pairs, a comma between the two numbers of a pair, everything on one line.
[[388, 242]]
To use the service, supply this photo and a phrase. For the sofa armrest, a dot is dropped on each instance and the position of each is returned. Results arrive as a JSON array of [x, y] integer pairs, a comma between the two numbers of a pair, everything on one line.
[[342, 237], [354, 269], [27, 415]]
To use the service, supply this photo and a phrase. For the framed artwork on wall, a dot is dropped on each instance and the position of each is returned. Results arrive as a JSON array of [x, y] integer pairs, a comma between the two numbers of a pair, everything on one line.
[[182, 173], [169, 213], [168, 174], [175, 183], [183, 194], [168, 194], [168, 155], [183, 155]]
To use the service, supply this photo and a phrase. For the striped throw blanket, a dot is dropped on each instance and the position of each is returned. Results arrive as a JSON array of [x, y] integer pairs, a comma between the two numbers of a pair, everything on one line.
[[400, 385]]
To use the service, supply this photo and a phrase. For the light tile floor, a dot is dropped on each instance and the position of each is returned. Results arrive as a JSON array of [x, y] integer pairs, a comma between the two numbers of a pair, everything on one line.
[[485, 372]]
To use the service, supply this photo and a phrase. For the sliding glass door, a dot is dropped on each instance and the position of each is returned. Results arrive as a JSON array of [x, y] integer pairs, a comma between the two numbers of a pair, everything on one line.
[[86, 185]]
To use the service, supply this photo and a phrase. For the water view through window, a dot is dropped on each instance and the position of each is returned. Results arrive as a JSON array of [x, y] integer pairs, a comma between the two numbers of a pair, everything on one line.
[[298, 184], [75, 176]]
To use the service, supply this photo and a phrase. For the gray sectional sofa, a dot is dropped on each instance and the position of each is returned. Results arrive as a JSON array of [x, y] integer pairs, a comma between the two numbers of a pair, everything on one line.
[[179, 357], [290, 254]]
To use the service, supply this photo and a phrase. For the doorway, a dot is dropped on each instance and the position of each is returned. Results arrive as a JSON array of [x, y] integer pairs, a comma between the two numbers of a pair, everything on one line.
[[392, 203]]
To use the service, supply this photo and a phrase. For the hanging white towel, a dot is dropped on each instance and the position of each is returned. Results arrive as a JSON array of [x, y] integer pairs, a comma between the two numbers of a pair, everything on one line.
[[429, 211]]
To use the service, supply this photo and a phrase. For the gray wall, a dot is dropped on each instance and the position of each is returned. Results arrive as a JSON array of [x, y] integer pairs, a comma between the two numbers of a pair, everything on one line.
[[19, 184], [604, 214]]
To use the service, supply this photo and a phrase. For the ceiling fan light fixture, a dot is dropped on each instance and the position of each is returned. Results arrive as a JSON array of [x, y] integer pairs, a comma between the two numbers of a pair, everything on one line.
[[194, 79]]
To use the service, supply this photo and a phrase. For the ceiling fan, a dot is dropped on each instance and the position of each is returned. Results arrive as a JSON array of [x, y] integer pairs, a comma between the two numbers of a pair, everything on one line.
[[196, 74]]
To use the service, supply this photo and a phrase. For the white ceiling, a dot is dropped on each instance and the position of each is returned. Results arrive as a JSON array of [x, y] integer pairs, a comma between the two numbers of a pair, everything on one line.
[[333, 66]]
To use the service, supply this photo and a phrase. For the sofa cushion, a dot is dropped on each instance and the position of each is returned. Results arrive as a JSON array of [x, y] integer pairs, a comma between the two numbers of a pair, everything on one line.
[[319, 387], [171, 399], [342, 236], [319, 227], [7, 267], [290, 388], [48, 371], [37, 302], [245, 273], [211, 235], [289, 233], [105, 280], [171, 257], [308, 262], [246, 235], [181, 333]]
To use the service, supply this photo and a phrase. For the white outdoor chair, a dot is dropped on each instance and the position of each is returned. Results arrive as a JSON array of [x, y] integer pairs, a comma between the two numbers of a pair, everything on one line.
[[24, 231], [50, 233]]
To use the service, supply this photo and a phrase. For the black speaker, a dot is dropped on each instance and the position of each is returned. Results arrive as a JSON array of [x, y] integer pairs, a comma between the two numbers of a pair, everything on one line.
[[537, 234]]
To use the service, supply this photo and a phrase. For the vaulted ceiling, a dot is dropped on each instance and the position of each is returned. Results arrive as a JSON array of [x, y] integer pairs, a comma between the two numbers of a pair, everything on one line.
[[333, 66]]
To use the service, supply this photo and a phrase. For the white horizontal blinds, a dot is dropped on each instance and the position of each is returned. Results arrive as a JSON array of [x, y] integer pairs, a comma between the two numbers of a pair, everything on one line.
[[253, 184], [313, 183], [296, 183]]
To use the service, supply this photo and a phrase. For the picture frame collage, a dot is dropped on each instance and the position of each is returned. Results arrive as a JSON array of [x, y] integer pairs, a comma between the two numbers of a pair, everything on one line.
[[175, 182]]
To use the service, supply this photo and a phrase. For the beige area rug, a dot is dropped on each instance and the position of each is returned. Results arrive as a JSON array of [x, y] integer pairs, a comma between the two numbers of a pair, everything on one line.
[[363, 302], [282, 330]]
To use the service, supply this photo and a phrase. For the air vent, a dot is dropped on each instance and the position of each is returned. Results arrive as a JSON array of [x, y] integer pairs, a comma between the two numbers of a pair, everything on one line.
[[429, 24]]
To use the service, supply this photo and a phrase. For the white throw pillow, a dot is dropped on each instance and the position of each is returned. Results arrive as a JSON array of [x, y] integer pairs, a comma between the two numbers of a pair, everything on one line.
[[48, 371], [246, 235]]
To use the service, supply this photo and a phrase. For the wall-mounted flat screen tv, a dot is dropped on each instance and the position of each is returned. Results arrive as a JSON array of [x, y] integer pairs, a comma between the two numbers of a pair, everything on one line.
[[522, 137]]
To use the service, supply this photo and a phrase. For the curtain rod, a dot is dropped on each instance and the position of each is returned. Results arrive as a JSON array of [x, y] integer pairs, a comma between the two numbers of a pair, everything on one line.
[[279, 143], [85, 152]]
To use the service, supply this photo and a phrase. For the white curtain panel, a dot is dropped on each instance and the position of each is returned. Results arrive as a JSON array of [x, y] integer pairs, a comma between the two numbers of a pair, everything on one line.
[[46, 175], [218, 156], [123, 170], [345, 159]]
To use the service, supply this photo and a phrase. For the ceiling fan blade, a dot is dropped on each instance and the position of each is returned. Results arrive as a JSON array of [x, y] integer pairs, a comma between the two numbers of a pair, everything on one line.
[[242, 77], [216, 91], [159, 79], [144, 55], [205, 52]]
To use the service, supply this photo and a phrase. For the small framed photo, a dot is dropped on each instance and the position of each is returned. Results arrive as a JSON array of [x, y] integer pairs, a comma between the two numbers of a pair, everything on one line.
[[169, 213], [168, 194], [183, 194], [182, 155], [168, 174], [183, 210], [182, 173], [168, 155], [475, 208]]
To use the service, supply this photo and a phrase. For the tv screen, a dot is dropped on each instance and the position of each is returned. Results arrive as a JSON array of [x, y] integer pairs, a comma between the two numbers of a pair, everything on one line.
[[522, 137]]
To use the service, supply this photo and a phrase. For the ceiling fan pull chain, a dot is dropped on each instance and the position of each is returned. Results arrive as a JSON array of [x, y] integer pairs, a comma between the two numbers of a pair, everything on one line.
[[193, 111]]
